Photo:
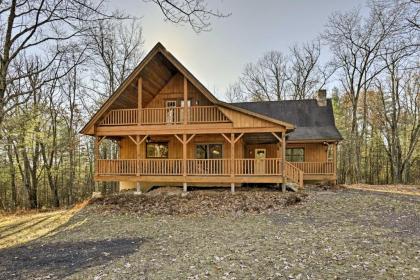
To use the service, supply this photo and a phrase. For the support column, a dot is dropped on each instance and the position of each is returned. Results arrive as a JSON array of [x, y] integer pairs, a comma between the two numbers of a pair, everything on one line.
[[232, 161], [335, 161], [96, 152], [283, 145], [185, 100], [184, 160], [138, 185], [139, 99]]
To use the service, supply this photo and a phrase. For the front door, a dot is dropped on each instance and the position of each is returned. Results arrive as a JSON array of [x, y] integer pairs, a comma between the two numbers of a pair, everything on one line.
[[260, 156], [170, 111]]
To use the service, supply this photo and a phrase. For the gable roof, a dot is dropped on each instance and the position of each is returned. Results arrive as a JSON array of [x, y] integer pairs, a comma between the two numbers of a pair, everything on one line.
[[312, 122], [160, 49]]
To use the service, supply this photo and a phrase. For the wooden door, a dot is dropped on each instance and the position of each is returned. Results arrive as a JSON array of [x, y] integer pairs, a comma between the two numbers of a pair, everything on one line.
[[170, 111], [260, 156]]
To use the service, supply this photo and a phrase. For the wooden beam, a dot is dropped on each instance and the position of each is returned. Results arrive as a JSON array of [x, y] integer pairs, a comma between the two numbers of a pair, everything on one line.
[[101, 138], [232, 155], [139, 99], [277, 137], [184, 154], [283, 145], [138, 156], [227, 138], [178, 129], [132, 139], [185, 100], [191, 137], [239, 137], [179, 139], [143, 139]]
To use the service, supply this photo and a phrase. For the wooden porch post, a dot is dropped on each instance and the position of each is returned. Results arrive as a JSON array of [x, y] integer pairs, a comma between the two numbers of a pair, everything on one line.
[[184, 160], [139, 99], [185, 100], [96, 150], [232, 161], [335, 161], [283, 145], [138, 186]]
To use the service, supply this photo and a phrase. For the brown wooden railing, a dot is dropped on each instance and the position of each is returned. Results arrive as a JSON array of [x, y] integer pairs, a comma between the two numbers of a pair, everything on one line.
[[121, 117], [208, 166], [326, 167], [194, 167], [116, 166], [206, 114], [268, 166], [160, 166], [170, 115], [293, 173]]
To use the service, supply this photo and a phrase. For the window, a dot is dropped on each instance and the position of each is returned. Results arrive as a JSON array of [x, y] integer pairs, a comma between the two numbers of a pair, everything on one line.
[[295, 154], [208, 151], [157, 150]]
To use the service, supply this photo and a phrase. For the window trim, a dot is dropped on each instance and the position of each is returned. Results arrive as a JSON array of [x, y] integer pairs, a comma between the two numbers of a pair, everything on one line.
[[293, 148], [157, 142]]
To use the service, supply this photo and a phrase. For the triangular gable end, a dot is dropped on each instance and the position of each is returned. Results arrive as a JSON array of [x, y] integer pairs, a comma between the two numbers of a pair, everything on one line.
[[158, 69]]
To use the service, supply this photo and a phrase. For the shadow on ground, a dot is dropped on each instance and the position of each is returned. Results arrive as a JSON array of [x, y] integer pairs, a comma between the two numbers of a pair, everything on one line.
[[60, 259]]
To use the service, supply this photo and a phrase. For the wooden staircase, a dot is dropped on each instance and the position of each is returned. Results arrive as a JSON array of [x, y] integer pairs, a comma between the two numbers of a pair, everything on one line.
[[293, 174]]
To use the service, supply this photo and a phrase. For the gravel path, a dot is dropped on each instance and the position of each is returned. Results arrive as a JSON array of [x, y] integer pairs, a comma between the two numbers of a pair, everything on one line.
[[345, 234]]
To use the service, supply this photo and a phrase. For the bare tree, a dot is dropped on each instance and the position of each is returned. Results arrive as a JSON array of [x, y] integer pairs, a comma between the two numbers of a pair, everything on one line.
[[305, 74], [193, 12], [266, 79], [38, 24]]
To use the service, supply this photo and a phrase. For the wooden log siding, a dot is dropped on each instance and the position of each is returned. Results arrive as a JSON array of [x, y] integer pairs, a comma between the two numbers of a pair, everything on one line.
[[326, 167]]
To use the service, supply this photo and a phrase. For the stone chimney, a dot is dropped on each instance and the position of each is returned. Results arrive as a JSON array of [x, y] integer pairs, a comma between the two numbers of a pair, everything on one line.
[[321, 97]]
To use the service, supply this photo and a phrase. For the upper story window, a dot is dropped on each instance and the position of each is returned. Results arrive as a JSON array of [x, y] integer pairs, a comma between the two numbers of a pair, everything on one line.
[[295, 154], [157, 150]]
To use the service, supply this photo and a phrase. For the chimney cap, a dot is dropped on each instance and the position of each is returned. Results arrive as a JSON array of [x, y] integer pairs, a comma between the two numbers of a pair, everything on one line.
[[321, 97]]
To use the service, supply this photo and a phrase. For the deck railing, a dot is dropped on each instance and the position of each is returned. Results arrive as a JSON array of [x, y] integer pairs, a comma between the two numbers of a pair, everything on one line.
[[206, 114], [208, 166], [171, 115], [195, 167], [268, 166], [326, 167], [293, 173], [121, 117], [168, 115]]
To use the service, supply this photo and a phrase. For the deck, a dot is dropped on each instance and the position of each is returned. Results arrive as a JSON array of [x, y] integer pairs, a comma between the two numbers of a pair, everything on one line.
[[211, 170]]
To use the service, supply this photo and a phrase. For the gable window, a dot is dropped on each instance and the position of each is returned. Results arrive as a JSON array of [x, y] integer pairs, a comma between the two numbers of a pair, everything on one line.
[[157, 150], [295, 154], [209, 151]]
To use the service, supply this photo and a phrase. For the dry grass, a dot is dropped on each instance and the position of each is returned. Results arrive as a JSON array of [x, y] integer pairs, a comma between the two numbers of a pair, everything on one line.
[[398, 189], [22, 227]]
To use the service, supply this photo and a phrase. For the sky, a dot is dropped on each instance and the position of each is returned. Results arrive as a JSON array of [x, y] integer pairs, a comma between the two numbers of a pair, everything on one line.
[[218, 57]]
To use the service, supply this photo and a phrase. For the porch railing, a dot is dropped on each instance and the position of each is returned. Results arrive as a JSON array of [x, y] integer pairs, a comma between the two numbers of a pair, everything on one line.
[[171, 115], [206, 114], [168, 115], [208, 166], [121, 117], [293, 173], [326, 167], [268, 166], [194, 167]]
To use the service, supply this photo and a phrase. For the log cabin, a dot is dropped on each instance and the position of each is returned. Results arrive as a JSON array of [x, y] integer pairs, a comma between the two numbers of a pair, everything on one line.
[[171, 130]]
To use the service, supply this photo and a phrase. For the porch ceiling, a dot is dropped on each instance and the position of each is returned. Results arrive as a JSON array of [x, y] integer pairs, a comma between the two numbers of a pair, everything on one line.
[[156, 74], [259, 138]]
